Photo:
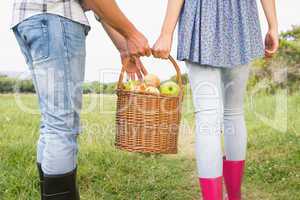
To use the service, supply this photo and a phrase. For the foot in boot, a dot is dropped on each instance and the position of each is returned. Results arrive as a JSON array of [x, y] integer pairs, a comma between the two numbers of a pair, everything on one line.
[[60, 187]]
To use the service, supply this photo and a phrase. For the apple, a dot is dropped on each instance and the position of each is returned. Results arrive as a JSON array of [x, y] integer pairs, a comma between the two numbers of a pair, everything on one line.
[[152, 80], [169, 88], [152, 90], [141, 87], [130, 85]]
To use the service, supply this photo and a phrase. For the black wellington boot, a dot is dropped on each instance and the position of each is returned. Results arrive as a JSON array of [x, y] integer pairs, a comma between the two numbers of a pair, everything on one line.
[[41, 175], [60, 187]]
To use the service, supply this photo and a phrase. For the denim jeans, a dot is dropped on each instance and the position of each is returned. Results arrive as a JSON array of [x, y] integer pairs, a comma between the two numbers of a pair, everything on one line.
[[218, 95], [54, 49]]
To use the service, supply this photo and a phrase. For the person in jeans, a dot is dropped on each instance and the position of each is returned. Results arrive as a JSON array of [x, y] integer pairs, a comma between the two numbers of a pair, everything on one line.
[[217, 40], [51, 35]]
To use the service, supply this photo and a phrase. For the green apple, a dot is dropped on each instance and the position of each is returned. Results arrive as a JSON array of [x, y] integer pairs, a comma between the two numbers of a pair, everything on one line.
[[130, 85], [169, 88]]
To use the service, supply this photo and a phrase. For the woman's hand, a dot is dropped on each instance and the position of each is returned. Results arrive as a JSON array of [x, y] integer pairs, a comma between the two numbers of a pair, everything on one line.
[[133, 66], [271, 43], [272, 38], [162, 47]]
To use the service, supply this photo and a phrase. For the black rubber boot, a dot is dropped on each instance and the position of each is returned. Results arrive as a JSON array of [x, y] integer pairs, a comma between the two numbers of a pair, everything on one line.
[[60, 187], [41, 175]]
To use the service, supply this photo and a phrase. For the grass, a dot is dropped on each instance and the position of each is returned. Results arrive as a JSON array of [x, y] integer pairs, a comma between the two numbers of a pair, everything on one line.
[[273, 165]]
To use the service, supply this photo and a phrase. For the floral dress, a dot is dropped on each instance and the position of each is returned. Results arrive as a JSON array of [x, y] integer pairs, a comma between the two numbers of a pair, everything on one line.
[[219, 33]]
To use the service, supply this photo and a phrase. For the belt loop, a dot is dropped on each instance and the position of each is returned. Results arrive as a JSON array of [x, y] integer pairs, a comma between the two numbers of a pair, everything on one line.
[[44, 7]]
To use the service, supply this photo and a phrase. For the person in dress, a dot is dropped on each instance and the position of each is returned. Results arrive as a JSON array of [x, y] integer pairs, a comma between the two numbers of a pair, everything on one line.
[[217, 40]]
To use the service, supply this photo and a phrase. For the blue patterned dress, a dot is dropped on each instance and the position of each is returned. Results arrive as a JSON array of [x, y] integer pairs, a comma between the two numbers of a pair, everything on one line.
[[219, 33]]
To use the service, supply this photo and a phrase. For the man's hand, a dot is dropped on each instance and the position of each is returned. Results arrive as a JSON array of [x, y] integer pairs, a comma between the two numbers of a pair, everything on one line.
[[133, 66], [137, 45], [130, 60]]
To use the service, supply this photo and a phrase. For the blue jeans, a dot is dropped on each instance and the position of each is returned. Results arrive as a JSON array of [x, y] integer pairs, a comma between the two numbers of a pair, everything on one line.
[[218, 97], [54, 49]]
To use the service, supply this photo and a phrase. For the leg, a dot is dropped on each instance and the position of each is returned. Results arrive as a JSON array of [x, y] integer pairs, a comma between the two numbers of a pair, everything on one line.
[[56, 47], [40, 145], [41, 142], [208, 101], [235, 133]]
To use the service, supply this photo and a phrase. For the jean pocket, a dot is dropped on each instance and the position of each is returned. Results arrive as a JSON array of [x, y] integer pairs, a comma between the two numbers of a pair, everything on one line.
[[74, 37], [34, 33]]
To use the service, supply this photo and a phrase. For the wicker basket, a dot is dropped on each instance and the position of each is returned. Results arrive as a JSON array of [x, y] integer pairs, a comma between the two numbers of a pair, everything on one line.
[[148, 123]]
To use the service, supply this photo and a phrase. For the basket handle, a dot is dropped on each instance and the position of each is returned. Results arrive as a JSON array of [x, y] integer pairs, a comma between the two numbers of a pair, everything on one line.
[[171, 59]]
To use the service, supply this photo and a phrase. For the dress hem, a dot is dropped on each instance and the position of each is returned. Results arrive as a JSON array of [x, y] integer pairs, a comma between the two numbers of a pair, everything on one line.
[[222, 65]]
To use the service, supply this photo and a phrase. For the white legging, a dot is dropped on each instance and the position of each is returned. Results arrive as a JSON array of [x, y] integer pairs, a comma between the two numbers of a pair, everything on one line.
[[218, 100]]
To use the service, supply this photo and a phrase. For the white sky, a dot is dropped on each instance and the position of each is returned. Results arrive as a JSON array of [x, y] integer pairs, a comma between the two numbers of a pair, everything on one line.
[[147, 15]]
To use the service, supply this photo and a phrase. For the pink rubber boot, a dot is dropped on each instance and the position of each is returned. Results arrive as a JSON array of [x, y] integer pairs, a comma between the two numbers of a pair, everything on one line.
[[233, 172], [211, 188]]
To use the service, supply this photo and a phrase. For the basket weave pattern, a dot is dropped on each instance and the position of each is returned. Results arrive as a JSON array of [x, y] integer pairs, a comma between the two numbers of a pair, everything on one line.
[[148, 123]]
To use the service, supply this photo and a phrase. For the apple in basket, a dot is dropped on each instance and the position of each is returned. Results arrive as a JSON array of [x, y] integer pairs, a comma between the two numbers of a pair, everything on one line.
[[152, 80], [169, 88], [130, 85], [152, 90], [141, 87]]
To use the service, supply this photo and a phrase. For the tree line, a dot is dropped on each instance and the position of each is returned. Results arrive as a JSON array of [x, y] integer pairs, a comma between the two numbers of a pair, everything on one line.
[[10, 85]]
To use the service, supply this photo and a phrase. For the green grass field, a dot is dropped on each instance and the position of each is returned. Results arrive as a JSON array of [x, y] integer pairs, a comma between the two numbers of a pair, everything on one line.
[[273, 166]]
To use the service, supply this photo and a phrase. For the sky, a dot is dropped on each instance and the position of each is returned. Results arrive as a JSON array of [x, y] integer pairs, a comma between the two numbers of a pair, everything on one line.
[[103, 62]]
